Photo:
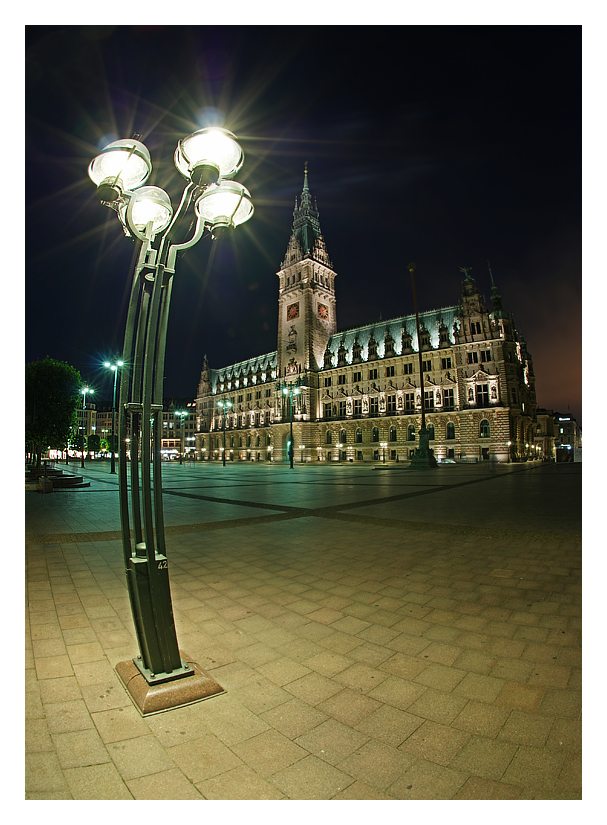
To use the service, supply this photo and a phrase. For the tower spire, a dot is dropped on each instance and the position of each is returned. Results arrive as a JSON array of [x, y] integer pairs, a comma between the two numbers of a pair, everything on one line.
[[306, 238], [496, 298]]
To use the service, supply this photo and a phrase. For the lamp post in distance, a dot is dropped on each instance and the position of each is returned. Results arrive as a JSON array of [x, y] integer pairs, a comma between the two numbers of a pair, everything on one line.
[[114, 367], [182, 414], [290, 390], [225, 405], [159, 678], [84, 392], [422, 456]]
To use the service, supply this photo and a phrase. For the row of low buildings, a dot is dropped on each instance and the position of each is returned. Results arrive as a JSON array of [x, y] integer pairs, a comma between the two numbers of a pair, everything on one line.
[[355, 394]]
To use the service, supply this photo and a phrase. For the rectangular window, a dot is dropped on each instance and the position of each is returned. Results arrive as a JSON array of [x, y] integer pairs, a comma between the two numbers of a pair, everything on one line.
[[448, 399], [258, 394], [374, 406], [389, 372], [482, 395], [357, 377], [327, 411], [391, 404], [341, 379], [485, 355], [408, 369], [427, 366], [372, 375], [409, 401], [328, 382], [358, 406], [446, 363], [248, 396], [473, 357], [429, 399], [268, 393], [342, 409], [240, 399]]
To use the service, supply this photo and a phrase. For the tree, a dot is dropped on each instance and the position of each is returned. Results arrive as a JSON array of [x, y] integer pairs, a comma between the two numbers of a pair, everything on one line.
[[93, 443], [51, 403]]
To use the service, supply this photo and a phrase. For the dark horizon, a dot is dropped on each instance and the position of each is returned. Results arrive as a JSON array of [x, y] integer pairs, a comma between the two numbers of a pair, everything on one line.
[[435, 144]]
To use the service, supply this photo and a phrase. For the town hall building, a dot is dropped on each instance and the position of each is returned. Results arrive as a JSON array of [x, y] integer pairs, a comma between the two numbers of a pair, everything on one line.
[[355, 394]]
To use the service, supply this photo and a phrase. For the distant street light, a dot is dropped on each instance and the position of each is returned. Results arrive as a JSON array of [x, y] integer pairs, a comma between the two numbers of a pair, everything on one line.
[[84, 392], [182, 414], [384, 444], [290, 390], [207, 159], [225, 405], [114, 367], [422, 456]]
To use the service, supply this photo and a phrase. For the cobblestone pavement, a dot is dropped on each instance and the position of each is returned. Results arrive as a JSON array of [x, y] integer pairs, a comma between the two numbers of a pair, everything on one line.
[[381, 634]]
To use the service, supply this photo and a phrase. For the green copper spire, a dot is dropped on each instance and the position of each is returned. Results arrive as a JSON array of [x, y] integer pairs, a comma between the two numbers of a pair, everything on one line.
[[306, 226], [496, 298]]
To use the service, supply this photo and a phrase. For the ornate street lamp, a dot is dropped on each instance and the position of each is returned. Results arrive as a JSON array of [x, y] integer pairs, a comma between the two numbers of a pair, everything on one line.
[[423, 456], [84, 392], [290, 390], [114, 367], [159, 678], [225, 405]]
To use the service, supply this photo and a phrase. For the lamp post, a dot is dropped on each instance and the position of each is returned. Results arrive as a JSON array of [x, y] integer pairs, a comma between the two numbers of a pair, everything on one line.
[[114, 367], [290, 390], [301, 452], [182, 414], [84, 392], [225, 405], [384, 444], [422, 456], [339, 446], [159, 678]]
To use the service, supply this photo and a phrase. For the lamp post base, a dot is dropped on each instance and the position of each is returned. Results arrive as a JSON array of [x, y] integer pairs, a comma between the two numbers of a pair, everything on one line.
[[423, 457], [173, 693]]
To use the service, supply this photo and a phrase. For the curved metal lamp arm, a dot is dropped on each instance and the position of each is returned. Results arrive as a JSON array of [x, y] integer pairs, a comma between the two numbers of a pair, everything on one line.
[[177, 247]]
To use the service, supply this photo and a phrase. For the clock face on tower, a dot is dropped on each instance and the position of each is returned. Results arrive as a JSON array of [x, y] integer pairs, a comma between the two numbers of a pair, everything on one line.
[[292, 312], [323, 312]]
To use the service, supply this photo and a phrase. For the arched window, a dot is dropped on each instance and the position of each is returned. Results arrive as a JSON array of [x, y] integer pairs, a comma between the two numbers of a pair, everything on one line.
[[343, 436], [375, 434], [450, 430], [258, 441], [411, 433], [359, 436], [392, 433], [232, 442], [430, 429], [328, 437], [249, 441], [268, 440], [485, 429]]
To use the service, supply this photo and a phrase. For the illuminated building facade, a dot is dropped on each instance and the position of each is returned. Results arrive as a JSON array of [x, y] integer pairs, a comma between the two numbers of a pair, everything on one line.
[[357, 392]]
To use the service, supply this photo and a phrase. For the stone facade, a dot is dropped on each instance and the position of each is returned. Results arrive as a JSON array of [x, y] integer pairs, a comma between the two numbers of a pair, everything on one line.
[[358, 392]]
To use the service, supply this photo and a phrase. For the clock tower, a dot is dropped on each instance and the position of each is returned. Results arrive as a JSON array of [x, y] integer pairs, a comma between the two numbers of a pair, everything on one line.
[[306, 298]]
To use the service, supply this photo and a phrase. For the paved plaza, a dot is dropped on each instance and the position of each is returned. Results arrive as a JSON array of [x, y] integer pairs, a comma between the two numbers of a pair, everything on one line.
[[381, 633]]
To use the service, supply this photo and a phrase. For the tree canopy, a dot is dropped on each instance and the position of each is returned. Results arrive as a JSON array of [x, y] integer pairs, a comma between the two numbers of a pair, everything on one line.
[[51, 401]]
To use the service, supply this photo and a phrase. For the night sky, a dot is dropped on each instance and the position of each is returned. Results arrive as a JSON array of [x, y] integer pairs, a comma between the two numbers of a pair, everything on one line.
[[449, 146]]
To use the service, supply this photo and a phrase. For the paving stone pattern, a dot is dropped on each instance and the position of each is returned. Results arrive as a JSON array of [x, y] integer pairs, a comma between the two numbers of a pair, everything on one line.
[[381, 633]]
